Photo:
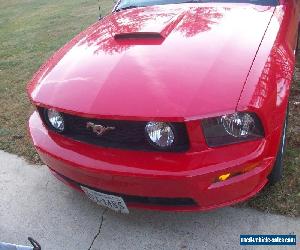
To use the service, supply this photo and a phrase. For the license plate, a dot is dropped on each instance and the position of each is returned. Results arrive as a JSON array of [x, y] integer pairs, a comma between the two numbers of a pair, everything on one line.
[[112, 202]]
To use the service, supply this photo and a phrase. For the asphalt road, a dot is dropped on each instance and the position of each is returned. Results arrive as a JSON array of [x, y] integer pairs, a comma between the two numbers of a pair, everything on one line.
[[33, 203]]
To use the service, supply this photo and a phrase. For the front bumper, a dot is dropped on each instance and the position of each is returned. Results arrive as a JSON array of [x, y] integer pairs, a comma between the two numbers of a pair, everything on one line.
[[189, 175]]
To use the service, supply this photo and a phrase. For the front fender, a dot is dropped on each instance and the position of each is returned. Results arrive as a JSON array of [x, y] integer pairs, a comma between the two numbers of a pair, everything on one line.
[[267, 88]]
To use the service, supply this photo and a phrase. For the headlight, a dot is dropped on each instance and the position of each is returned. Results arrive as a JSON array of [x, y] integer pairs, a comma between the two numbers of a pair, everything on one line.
[[55, 119], [160, 134], [232, 128]]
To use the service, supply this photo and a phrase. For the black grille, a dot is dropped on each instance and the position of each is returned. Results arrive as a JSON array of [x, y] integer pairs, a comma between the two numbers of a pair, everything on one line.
[[126, 135], [159, 201]]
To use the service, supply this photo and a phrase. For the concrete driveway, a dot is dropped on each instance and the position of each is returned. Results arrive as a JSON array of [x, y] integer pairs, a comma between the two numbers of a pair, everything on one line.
[[33, 203]]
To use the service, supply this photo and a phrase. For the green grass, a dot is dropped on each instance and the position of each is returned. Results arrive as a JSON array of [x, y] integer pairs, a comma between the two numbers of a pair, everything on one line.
[[31, 30]]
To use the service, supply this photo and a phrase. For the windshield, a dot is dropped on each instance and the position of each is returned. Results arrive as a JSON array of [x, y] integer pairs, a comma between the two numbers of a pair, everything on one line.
[[126, 4]]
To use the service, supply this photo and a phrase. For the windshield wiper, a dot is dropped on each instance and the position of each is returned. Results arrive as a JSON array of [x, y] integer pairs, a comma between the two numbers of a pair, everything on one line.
[[128, 7], [137, 6], [192, 1]]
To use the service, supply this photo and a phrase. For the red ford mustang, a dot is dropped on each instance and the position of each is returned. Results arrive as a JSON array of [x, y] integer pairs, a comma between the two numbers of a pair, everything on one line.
[[170, 104]]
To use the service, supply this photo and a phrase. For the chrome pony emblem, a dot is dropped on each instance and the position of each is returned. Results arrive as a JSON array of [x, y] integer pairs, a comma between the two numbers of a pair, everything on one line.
[[99, 130]]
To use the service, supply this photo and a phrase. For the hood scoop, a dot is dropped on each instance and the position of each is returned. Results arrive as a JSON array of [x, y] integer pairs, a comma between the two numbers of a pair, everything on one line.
[[144, 27], [138, 35]]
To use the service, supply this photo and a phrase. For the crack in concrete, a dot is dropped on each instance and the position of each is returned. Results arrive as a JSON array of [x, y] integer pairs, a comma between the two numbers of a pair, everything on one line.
[[47, 185], [99, 230]]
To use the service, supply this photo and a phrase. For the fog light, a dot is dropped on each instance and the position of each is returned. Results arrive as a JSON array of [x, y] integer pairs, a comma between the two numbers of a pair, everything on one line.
[[56, 120], [160, 134]]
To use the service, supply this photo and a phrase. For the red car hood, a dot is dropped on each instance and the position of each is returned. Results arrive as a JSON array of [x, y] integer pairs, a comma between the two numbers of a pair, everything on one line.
[[182, 62]]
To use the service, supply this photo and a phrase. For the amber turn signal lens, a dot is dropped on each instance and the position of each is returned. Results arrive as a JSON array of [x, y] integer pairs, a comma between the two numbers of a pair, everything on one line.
[[224, 177], [248, 168]]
